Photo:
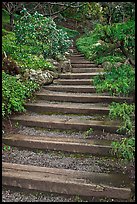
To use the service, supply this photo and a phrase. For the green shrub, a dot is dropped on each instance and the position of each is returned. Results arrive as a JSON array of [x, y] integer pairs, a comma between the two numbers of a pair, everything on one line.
[[118, 81], [8, 44], [126, 113], [71, 33], [86, 42], [26, 56], [111, 59], [41, 31], [5, 18], [125, 148], [117, 39], [121, 35], [14, 93]]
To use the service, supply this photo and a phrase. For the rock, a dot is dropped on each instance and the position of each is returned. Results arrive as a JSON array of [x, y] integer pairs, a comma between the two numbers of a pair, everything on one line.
[[54, 74], [71, 51], [65, 66], [39, 76], [67, 54], [107, 65], [118, 64], [18, 76]]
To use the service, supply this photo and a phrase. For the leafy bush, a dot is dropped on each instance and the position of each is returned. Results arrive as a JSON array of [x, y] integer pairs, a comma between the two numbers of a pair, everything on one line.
[[122, 35], [41, 31], [14, 93], [86, 42], [71, 33], [117, 39], [126, 113], [5, 18], [125, 148], [117, 81], [24, 55], [110, 58]]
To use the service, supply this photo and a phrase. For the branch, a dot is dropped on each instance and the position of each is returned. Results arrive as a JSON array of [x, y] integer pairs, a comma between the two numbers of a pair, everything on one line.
[[126, 54]]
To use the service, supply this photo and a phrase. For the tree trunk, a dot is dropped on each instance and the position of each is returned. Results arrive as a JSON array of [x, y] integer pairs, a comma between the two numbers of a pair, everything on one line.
[[11, 21]]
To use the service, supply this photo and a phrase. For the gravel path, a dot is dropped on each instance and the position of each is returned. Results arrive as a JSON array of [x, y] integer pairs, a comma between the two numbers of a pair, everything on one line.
[[64, 160], [10, 195], [15, 195], [68, 133]]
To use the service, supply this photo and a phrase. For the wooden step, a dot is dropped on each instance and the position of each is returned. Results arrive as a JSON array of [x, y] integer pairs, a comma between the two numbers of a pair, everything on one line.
[[83, 61], [69, 88], [84, 65], [72, 108], [87, 70], [69, 123], [79, 75], [73, 81], [95, 147], [81, 98], [64, 181], [77, 55]]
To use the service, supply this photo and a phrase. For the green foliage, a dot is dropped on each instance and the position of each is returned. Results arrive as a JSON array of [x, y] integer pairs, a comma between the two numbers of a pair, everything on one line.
[[26, 56], [116, 12], [109, 40], [5, 18], [86, 42], [125, 148], [35, 29], [14, 93], [88, 132], [117, 81], [125, 112], [71, 33], [110, 58], [5, 32], [6, 147], [121, 34]]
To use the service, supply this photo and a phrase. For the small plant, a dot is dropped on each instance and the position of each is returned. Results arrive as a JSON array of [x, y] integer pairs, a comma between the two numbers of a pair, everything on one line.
[[125, 148], [119, 81], [78, 199], [6, 148], [125, 112], [88, 132], [14, 93]]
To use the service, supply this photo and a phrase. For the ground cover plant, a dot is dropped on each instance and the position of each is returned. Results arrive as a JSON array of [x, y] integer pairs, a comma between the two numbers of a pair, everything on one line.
[[14, 93], [118, 81], [113, 47]]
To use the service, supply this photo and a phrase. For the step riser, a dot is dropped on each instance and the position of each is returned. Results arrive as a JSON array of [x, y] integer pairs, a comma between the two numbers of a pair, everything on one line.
[[95, 150], [86, 70], [66, 126], [80, 99], [78, 76], [72, 90], [90, 82], [77, 56], [80, 61], [68, 188], [64, 110], [74, 59], [64, 181], [84, 65]]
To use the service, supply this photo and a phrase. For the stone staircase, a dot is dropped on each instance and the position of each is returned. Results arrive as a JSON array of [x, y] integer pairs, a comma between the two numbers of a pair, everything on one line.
[[70, 103]]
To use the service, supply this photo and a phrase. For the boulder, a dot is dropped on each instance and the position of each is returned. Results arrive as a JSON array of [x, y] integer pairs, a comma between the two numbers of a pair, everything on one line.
[[39, 76]]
